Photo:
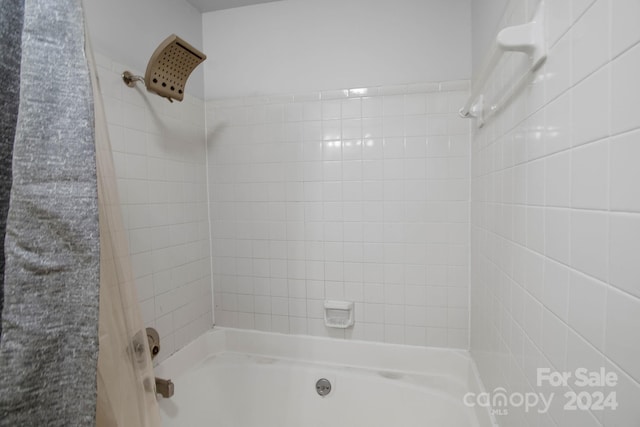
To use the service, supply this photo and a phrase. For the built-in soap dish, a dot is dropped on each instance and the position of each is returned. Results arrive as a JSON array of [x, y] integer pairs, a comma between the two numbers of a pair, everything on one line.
[[338, 314]]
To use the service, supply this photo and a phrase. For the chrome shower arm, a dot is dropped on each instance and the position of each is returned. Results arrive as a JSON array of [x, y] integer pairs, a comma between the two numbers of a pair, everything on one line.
[[131, 79]]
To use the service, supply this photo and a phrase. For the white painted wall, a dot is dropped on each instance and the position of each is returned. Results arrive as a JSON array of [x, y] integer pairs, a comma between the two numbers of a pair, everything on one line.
[[307, 45], [485, 19], [129, 31]]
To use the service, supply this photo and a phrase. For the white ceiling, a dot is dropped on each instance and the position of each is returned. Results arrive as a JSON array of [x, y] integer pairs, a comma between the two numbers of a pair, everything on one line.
[[211, 5]]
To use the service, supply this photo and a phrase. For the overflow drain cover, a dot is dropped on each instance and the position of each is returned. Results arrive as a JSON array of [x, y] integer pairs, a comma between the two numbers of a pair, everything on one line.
[[323, 387]]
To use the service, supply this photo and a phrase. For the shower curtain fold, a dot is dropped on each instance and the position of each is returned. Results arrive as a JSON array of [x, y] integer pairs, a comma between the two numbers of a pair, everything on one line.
[[49, 346], [11, 48], [73, 350]]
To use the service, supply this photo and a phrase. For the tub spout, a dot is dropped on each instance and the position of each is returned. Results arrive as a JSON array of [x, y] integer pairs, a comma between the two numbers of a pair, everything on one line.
[[164, 387]]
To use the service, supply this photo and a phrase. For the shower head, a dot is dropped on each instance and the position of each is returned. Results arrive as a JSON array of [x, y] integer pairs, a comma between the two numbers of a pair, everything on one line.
[[169, 68]]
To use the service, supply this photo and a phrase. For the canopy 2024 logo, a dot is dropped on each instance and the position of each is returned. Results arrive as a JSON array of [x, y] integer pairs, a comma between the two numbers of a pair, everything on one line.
[[596, 397]]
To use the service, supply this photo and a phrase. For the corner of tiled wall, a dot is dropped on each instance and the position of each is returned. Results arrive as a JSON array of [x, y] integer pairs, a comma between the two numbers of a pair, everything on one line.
[[159, 153]]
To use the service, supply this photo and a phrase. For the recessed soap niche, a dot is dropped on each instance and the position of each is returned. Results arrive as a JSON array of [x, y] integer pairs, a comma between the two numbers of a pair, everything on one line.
[[338, 314]]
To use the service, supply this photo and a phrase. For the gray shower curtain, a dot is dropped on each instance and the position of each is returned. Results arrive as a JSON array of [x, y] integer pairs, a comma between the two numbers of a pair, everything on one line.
[[11, 48], [73, 349], [49, 342], [65, 278]]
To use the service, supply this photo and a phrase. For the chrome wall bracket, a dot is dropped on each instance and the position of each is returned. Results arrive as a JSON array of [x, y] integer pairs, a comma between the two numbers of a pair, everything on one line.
[[131, 79]]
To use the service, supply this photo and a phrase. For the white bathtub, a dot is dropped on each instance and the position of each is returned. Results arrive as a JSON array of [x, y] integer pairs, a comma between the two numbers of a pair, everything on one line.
[[240, 378]]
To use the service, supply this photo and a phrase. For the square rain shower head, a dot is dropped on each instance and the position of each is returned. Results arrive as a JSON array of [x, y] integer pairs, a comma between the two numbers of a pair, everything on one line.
[[170, 66]]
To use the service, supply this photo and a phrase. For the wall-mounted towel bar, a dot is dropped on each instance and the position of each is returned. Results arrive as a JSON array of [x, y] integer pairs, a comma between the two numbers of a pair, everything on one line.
[[526, 38]]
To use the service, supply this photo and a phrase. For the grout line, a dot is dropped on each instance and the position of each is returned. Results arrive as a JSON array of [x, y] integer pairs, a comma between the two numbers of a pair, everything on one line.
[[607, 286], [208, 201]]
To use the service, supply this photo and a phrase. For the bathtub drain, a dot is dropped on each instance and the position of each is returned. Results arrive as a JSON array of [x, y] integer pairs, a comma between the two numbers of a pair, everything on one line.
[[323, 387]]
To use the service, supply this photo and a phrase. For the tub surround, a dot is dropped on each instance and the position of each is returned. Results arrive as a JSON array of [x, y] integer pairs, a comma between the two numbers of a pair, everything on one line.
[[359, 195]]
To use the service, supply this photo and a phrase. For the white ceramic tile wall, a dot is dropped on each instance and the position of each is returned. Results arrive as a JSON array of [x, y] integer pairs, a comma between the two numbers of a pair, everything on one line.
[[159, 154], [359, 195], [556, 214]]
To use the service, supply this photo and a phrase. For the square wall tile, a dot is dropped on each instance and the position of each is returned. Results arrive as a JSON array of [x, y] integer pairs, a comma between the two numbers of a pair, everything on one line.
[[624, 26], [625, 173], [590, 176], [622, 342], [590, 243], [591, 107], [625, 86], [625, 252]]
